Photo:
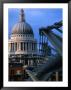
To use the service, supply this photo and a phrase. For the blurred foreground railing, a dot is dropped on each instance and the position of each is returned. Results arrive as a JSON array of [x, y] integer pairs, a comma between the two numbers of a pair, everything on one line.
[[54, 63]]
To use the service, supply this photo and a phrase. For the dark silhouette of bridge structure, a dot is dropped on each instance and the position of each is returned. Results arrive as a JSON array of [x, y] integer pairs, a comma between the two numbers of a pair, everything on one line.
[[54, 63]]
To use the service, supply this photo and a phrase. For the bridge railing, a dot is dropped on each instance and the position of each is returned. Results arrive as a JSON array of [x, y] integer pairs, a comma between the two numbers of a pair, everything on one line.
[[55, 62]]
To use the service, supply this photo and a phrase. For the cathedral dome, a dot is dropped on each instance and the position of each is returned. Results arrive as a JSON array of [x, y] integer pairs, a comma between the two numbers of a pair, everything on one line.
[[22, 27]]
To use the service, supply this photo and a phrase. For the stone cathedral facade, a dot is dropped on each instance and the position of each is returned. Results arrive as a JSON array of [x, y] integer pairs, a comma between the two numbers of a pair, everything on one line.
[[22, 47]]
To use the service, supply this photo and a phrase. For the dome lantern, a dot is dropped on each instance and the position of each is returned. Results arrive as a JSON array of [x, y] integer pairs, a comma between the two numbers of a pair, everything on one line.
[[22, 15]]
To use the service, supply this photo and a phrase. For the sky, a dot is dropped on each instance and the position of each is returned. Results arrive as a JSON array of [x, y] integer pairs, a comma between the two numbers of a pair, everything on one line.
[[37, 18]]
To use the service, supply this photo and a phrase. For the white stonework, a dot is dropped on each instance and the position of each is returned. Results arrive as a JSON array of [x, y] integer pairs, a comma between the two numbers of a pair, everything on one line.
[[22, 38]]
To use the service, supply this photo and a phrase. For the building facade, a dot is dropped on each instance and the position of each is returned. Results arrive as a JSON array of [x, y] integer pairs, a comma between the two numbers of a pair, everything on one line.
[[22, 40], [22, 47]]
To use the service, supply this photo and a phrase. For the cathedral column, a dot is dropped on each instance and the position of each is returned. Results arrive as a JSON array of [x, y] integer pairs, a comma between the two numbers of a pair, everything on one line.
[[23, 45], [29, 46], [19, 46], [14, 47], [35, 46], [32, 45]]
